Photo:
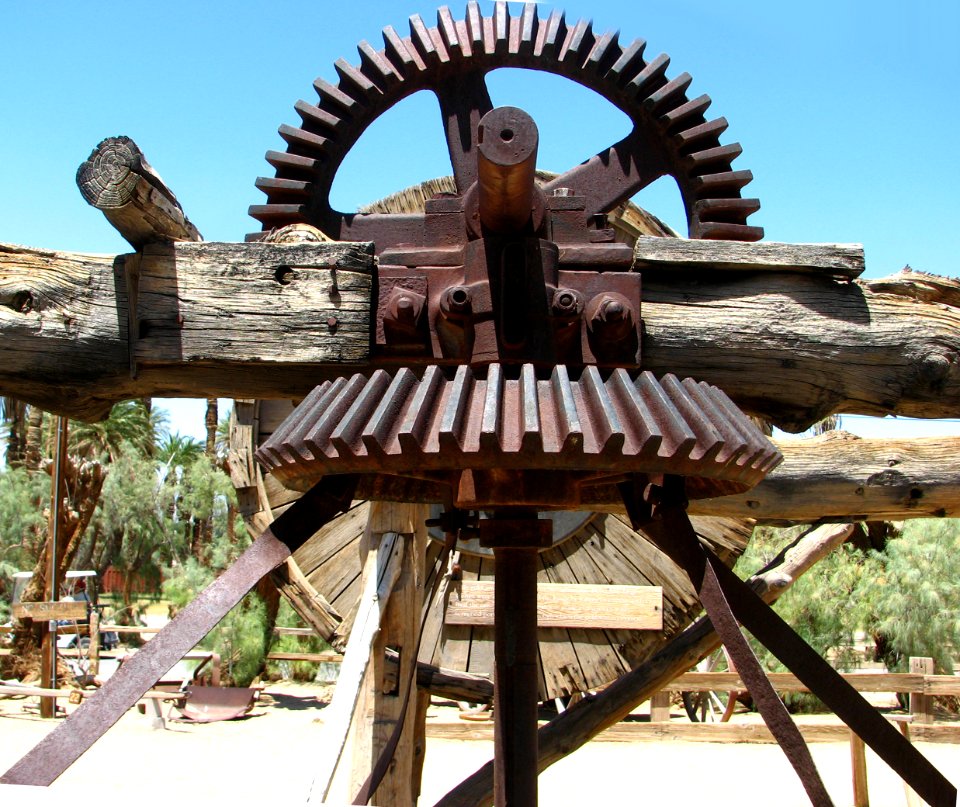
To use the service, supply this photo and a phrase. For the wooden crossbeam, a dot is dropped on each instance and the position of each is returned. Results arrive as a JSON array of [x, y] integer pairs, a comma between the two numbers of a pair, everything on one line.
[[50, 610], [566, 605]]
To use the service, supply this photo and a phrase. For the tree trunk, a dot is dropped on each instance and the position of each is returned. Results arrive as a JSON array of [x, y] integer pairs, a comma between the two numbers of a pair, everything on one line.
[[15, 415]]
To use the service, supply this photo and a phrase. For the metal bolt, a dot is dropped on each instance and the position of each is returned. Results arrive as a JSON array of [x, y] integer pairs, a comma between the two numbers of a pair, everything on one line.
[[457, 301], [567, 303], [611, 316], [332, 324]]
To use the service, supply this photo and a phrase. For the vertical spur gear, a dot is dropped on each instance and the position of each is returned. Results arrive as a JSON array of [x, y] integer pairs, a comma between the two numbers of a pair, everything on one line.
[[672, 133]]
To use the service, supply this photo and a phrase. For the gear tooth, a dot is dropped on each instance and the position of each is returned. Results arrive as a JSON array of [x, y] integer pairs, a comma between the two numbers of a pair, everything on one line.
[[722, 184], [651, 78], [425, 44], [399, 54], [333, 97], [285, 190], [722, 231], [717, 157], [630, 58], [686, 115], [550, 35], [731, 211], [526, 30], [377, 67], [670, 95], [501, 27], [702, 136], [277, 215], [474, 26], [293, 165], [308, 142], [578, 42], [353, 82], [316, 119], [605, 51], [451, 34]]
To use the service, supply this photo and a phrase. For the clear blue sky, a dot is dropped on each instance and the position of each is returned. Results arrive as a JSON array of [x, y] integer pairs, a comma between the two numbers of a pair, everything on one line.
[[847, 111]]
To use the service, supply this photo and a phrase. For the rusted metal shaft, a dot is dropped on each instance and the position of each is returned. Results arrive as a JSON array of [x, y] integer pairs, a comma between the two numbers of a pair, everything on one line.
[[516, 536], [506, 165]]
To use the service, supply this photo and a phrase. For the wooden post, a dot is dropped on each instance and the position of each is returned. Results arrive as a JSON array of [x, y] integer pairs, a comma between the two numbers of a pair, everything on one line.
[[94, 652], [370, 690], [921, 705], [660, 707], [48, 649], [858, 764]]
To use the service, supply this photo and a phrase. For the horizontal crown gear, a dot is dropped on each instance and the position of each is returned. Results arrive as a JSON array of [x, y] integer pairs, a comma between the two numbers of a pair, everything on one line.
[[592, 431]]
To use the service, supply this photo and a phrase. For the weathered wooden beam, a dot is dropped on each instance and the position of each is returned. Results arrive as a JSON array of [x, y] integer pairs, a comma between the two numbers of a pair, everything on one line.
[[229, 320], [117, 180], [840, 261], [841, 477], [260, 322], [566, 605], [584, 720]]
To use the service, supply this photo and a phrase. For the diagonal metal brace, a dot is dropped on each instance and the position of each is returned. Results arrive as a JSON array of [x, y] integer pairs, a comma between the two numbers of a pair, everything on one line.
[[671, 531], [71, 739]]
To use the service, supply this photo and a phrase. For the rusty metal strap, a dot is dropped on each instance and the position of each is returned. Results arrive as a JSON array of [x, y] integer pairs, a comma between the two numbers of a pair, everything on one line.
[[71, 739], [838, 695], [672, 531]]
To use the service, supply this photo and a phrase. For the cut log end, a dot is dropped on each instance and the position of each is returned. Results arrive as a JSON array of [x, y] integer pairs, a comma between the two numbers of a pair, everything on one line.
[[108, 178]]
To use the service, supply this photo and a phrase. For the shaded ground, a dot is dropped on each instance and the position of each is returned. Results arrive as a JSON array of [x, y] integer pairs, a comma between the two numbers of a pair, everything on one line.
[[273, 752]]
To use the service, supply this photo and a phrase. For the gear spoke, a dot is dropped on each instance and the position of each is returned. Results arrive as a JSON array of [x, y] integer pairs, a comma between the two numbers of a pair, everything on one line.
[[611, 176], [463, 102]]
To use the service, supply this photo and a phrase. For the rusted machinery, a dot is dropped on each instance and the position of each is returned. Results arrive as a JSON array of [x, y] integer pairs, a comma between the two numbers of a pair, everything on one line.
[[508, 373]]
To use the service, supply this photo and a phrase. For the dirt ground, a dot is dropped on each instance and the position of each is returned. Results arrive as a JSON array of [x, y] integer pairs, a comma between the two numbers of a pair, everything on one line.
[[272, 753]]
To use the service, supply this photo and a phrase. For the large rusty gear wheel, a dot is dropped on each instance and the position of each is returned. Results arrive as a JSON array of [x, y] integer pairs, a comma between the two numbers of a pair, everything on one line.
[[671, 134]]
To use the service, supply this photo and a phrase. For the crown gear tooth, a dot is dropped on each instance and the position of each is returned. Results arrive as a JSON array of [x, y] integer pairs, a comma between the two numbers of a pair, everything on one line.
[[688, 144]]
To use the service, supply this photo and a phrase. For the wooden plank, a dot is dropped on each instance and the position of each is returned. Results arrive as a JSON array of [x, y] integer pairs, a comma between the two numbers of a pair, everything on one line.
[[382, 568], [319, 658], [787, 682], [842, 261], [50, 610], [568, 605], [634, 732]]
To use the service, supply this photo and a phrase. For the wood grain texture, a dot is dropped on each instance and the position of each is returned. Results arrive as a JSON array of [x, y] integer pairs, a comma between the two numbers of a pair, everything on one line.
[[840, 477], [841, 261], [788, 346], [117, 180]]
